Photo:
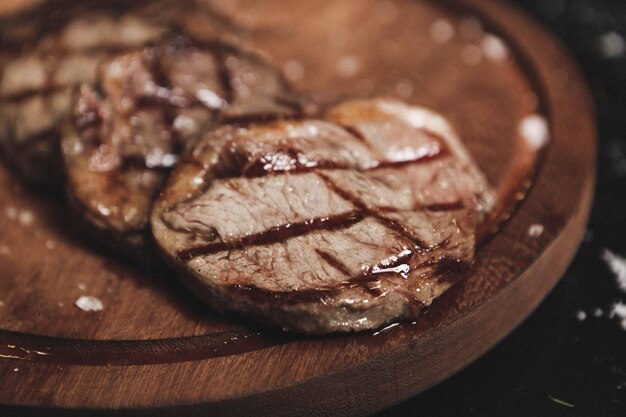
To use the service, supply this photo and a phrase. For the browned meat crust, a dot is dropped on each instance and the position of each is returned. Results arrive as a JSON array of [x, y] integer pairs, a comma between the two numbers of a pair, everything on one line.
[[325, 225]]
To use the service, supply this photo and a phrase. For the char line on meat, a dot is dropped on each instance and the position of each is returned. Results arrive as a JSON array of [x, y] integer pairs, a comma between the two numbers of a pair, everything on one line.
[[145, 109], [320, 225]]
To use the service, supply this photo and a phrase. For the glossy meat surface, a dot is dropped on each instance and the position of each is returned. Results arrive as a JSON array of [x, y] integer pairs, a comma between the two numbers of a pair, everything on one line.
[[339, 224]]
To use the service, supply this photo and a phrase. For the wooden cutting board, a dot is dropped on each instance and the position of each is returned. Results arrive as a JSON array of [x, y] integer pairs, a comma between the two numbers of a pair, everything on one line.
[[154, 349]]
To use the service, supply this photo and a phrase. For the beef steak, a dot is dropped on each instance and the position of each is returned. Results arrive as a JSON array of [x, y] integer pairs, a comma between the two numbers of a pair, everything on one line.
[[146, 108], [339, 224]]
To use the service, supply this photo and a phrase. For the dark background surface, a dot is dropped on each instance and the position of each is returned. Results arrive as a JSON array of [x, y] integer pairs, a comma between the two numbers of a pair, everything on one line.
[[569, 357]]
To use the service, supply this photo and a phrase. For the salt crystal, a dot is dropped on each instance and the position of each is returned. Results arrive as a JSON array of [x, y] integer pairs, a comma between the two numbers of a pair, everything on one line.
[[51, 244], [617, 265], [535, 230], [494, 48], [26, 217], [210, 99], [612, 45], [294, 70], [184, 124], [597, 312], [534, 129], [348, 66], [16, 369], [89, 303], [5, 250], [61, 304], [472, 55], [441, 31], [581, 315], [619, 310], [10, 212], [82, 287]]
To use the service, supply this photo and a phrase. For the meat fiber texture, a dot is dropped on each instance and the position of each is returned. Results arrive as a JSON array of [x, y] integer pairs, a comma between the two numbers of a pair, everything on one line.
[[345, 223]]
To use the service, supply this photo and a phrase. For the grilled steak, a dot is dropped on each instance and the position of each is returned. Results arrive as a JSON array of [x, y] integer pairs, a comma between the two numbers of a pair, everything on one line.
[[45, 53], [340, 224], [147, 106]]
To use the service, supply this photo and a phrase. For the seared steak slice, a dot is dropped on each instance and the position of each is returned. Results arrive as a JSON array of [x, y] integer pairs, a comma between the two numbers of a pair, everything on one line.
[[329, 225], [45, 53], [146, 108]]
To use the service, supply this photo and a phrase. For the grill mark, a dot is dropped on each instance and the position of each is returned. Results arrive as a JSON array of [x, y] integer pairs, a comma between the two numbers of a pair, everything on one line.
[[152, 60], [354, 132], [359, 204], [287, 231], [283, 232], [441, 265], [220, 48], [106, 50], [274, 235], [256, 118], [333, 261], [456, 205], [225, 77], [32, 92], [437, 207], [163, 103], [400, 229], [256, 168]]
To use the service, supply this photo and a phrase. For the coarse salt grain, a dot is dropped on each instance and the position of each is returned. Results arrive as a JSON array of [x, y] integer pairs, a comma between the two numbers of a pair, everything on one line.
[[581, 315], [535, 230], [82, 287], [612, 45], [26, 217], [441, 31], [494, 48], [617, 264], [51, 244], [89, 303], [534, 129]]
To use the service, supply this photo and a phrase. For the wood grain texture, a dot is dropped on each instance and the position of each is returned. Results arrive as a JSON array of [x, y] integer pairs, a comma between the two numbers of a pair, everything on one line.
[[168, 353]]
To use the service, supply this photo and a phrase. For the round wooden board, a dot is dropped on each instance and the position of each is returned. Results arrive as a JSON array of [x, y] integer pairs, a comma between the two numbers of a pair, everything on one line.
[[155, 349]]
